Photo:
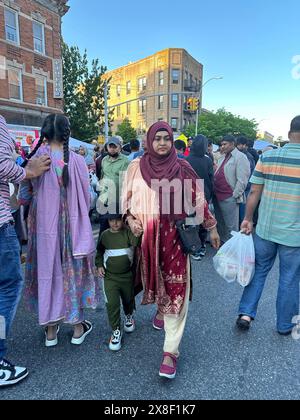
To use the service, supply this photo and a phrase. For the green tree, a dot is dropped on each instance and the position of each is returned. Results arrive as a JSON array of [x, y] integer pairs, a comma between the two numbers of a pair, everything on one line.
[[126, 131], [83, 93], [215, 125]]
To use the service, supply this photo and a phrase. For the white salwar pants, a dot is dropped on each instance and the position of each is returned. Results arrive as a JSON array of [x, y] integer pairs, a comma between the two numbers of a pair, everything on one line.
[[174, 326]]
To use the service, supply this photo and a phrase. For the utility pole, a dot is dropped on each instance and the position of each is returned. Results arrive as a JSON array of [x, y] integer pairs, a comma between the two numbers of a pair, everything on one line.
[[106, 110], [197, 116], [199, 98]]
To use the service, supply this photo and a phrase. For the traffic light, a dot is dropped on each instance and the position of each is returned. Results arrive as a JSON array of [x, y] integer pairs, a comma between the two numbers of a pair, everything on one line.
[[196, 104], [190, 104]]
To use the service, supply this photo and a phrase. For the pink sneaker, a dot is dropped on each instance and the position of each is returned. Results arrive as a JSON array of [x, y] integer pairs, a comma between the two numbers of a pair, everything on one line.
[[168, 371], [158, 324]]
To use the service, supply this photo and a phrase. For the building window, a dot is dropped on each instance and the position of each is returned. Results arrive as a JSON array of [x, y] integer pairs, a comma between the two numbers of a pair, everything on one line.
[[174, 124], [128, 88], [41, 90], [175, 100], [118, 111], [161, 78], [161, 102], [175, 76], [11, 26], [142, 106], [142, 84], [142, 127], [186, 76], [15, 84], [191, 80], [118, 90], [128, 109], [38, 37]]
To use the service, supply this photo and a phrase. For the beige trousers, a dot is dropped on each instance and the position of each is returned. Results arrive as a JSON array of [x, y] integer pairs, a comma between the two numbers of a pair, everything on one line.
[[174, 326]]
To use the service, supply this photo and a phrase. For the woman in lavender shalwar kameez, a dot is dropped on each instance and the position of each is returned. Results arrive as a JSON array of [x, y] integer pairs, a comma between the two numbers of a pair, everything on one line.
[[60, 273]]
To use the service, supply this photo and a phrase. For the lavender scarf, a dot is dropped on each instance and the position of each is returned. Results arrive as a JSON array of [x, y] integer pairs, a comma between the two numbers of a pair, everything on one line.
[[48, 205]]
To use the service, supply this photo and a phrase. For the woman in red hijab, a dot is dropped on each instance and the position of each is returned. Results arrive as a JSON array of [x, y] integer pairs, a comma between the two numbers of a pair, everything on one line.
[[163, 268]]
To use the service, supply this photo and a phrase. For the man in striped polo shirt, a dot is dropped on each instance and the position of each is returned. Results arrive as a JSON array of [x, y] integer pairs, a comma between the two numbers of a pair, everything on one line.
[[11, 281], [276, 181]]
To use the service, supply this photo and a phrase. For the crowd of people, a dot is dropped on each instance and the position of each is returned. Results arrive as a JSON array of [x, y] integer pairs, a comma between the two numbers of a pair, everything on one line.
[[141, 199]]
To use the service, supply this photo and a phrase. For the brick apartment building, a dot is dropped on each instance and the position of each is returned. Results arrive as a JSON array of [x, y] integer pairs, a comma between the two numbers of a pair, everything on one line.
[[166, 75], [30, 60]]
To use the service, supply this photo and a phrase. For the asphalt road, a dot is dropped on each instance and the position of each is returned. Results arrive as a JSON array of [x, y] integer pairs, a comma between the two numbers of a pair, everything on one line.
[[217, 361]]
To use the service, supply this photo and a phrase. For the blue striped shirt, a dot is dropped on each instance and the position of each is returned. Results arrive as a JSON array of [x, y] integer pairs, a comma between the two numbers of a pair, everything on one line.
[[9, 172], [279, 212]]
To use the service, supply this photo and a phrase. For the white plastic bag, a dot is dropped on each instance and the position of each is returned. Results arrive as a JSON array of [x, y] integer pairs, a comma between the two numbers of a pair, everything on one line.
[[94, 197], [235, 261]]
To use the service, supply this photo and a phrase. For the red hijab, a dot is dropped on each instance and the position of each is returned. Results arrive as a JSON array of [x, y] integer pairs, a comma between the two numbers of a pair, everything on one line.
[[156, 167]]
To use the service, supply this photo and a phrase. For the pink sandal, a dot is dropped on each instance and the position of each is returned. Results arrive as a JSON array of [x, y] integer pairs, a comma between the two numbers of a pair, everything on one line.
[[158, 324], [168, 371]]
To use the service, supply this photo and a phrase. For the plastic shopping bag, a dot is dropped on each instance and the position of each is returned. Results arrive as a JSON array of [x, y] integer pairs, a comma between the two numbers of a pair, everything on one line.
[[94, 197], [235, 261]]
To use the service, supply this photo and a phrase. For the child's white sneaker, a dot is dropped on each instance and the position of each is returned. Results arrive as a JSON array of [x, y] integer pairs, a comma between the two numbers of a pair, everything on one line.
[[115, 342], [129, 324]]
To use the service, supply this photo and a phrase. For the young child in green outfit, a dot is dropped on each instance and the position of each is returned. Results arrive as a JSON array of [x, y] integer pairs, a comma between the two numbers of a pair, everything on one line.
[[114, 261]]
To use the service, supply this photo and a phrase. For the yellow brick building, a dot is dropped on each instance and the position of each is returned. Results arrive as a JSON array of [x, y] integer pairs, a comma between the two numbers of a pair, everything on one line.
[[265, 135], [165, 74]]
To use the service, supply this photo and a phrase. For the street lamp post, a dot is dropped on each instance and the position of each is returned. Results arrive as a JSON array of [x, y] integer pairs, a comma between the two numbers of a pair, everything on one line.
[[199, 98], [106, 110]]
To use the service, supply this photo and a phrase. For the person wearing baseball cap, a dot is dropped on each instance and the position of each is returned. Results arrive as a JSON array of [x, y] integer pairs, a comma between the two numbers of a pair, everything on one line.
[[114, 141], [113, 165]]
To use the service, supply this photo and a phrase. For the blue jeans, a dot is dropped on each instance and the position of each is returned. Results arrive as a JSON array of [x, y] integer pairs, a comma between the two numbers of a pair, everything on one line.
[[288, 291], [11, 281]]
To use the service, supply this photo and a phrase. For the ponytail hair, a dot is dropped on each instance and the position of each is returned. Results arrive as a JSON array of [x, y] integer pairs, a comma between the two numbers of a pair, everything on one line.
[[62, 134], [65, 174]]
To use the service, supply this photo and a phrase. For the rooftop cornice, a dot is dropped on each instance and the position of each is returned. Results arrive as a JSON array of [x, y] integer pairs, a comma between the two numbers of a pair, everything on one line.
[[57, 6]]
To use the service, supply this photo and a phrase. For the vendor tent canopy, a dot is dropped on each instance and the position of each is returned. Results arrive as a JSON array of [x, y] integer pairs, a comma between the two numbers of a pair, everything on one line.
[[75, 144]]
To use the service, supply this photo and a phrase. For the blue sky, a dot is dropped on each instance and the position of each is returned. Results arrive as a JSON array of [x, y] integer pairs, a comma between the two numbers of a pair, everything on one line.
[[251, 43]]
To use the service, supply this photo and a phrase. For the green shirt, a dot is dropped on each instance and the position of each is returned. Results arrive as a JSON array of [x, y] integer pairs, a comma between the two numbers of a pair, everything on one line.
[[114, 241], [279, 212], [112, 169]]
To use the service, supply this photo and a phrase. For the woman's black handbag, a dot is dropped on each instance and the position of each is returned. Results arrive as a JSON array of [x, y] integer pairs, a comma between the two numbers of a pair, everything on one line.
[[189, 237]]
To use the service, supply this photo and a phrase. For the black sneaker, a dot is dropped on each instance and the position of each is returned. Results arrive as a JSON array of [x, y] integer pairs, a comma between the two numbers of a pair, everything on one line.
[[196, 257], [129, 324], [286, 333], [243, 324], [10, 374], [202, 252], [115, 343]]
